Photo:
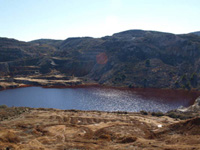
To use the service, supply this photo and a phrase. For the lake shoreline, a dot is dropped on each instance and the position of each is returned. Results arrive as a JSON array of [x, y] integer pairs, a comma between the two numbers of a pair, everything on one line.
[[63, 81], [96, 85], [82, 85]]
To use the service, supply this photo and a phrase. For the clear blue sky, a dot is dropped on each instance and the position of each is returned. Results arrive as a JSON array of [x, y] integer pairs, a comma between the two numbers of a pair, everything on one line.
[[59, 19]]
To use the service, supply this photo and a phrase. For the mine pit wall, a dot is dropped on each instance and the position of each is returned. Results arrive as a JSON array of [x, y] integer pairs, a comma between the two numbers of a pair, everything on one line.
[[77, 68], [22, 67]]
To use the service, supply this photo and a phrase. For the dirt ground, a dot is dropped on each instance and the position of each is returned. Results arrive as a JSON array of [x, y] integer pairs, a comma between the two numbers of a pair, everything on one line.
[[8, 82], [51, 129]]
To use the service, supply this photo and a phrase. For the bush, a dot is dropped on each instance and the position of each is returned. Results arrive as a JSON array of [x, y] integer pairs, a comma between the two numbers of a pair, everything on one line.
[[178, 115], [120, 77], [193, 76], [177, 84], [121, 112], [187, 85], [183, 78], [145, 83], [143, 112], [147, 63], [3, 106], [157, 114], [172, 115], [130, 86], [194, 80]]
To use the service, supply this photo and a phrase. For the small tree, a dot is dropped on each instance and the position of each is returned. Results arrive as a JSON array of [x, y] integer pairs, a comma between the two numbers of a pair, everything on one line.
[[194, 80], [147, 63], [130, 86], [177, 84], [184, 79], [187, 86], [145, 83]]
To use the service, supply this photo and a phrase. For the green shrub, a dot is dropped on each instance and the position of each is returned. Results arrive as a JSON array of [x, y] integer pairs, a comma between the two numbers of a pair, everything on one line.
[[172, 115], [143, 112], [157, 114], [130, 86], [147, 63], [177, 115], [193, 76], [188, 86], [183, 78], [194, 80], [145, 82], [121, 112], [177, 84], [3, 106], [120, 77]]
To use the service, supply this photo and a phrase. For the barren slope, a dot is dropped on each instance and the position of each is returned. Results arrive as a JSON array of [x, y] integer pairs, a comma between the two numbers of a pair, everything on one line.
[[52, 129]]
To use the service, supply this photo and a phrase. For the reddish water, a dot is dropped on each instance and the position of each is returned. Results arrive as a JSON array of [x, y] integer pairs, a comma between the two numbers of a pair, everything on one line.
[[99, 98]]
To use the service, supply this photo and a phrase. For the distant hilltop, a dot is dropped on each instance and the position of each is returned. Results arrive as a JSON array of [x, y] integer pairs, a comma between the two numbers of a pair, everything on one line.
[[133, 58], [197, 33]]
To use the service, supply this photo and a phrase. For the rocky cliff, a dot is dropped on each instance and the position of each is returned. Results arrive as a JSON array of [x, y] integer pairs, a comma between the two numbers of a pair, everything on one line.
[[133, 58]]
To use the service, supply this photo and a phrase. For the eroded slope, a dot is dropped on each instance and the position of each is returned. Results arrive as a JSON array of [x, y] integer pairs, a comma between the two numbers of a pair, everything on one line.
[[71, 129]]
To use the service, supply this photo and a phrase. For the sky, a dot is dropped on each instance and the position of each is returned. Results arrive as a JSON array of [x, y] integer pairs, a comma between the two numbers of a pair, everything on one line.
[[28, 20]]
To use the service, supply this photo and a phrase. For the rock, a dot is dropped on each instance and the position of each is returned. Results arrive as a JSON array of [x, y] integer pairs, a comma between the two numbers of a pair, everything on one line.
[[194, 108], [197, 102]]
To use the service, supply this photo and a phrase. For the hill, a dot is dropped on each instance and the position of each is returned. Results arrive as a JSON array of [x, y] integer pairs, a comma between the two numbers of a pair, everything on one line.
[[54, 43], [22, 58], [196, 33], [133, 58]]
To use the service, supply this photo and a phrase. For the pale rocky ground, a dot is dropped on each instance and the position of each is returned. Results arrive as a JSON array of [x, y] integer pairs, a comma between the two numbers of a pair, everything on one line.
[[7, 82], [51, 129]]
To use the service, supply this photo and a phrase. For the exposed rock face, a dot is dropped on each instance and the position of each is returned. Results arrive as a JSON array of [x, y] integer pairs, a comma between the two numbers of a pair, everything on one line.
[[133, 58]]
